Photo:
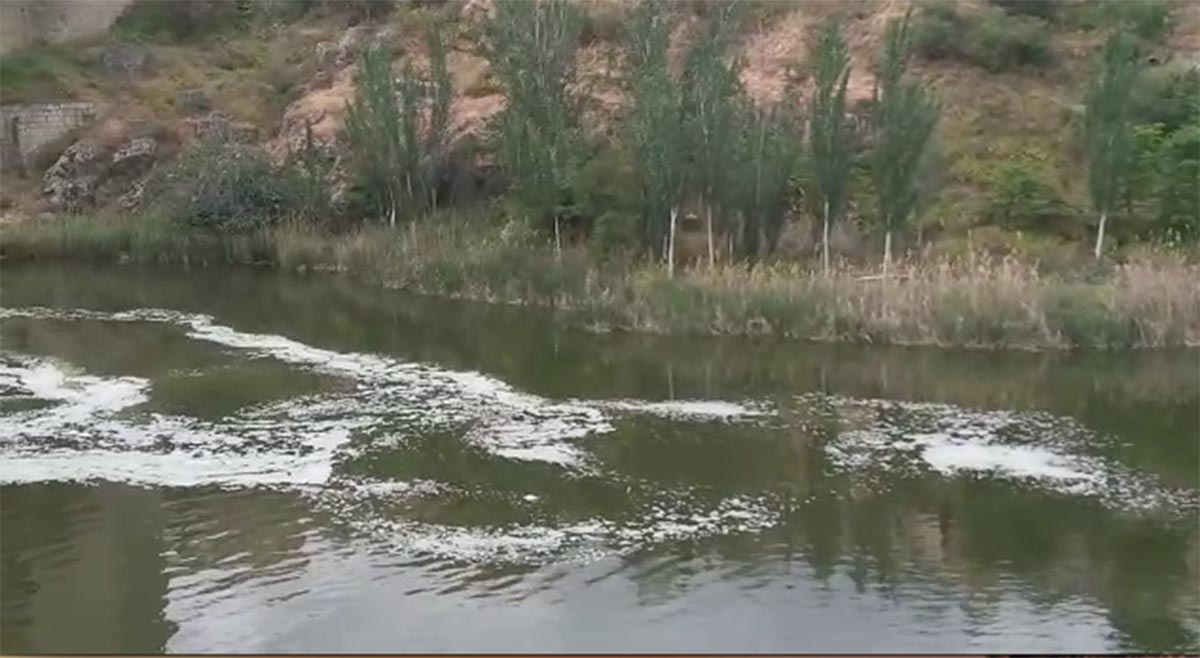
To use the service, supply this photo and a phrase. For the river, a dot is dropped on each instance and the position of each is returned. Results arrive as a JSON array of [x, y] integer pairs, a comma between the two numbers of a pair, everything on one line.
[[227, 460]]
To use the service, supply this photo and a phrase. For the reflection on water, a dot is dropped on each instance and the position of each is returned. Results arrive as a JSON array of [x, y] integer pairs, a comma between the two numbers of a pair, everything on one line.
[[237, 460]]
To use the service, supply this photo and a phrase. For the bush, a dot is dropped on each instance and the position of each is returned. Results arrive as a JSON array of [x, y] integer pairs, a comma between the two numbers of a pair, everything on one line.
[[938, 33], [1003, 43], [232, 187], [1148, 19], [1046, 10], [35, 74], [155, 20], [1022, 197], [1171, 99], [996, 41]]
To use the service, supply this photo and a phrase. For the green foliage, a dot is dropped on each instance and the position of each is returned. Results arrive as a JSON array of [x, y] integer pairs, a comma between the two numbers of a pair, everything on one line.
[[939, 32], [1108, 135], [905, 116], [232, 187], [831, 135], [1004, 43], [37, 73], [1148, 19], [1179, 186], [656, 125], [154, 20], [397, 167], [1163, 186], [769, 147], [1046, 10], [1171, 99], [711, 93], [994, 41], [1022, 196], [531, 46]]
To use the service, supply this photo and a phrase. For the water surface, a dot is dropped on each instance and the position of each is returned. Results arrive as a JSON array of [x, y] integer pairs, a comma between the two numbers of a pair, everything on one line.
[[220, 460]]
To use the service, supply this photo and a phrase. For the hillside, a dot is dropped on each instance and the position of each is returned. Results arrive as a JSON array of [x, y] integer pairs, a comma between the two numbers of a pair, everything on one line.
[[1007, 165]]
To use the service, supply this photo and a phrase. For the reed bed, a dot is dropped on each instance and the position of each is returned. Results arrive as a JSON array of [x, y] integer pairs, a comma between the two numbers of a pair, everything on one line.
[[969, 302]]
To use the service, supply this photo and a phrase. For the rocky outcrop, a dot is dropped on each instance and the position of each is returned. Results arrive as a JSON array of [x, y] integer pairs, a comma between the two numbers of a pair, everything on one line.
[[120, 61], [134, 158], [86, 169], [71, 182], [218, 125]]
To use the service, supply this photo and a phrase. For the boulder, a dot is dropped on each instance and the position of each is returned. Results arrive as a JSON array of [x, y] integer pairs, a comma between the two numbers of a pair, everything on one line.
[[135, 157], [218, 125], [132, 197], [124, 60], [70, 183]]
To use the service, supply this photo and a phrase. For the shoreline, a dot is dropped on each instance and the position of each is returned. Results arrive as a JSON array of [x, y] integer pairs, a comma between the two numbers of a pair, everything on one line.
[[975, 303]]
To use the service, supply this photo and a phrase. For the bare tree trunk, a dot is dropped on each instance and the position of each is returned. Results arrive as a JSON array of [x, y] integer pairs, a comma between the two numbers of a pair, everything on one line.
[[711, 250], [392, 215], [557, 240], [825, 242], [887, 253], [671, 245], [1100, 235]]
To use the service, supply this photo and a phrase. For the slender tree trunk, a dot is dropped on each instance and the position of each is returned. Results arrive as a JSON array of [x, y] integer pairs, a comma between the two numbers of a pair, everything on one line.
[[825, 242], [711, 249], [671, 245], [392, 214], [557, 240], [1100, 235], [887, 253]]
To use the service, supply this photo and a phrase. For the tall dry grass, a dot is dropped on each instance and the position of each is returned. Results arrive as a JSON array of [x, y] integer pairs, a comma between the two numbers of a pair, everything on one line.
[[971, 302]]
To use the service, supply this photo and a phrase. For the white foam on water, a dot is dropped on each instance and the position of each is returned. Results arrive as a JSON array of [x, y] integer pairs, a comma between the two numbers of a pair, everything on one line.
[[947, 455], [1033, 449], [82, 398], [688, 409], [676, 517], [509, 423], [506, 422]]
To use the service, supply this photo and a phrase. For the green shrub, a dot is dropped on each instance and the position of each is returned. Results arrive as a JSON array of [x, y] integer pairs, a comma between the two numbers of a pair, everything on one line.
[[34, 74], [1170, 98], [1148, 19], [157, 20], [232, 187], [1046, 10], [1023, 197], [994, 41], [1003, 43], [938, 33]]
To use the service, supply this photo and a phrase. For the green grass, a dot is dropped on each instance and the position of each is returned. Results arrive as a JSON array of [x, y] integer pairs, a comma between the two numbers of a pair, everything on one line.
[[970, 301], [37, 73]]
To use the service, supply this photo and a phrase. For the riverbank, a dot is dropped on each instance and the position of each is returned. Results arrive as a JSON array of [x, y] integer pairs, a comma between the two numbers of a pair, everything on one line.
[[969, 302]]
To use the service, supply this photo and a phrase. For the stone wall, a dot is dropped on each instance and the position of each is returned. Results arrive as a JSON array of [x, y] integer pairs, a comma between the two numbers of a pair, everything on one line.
[[26, 128], [23, 22]]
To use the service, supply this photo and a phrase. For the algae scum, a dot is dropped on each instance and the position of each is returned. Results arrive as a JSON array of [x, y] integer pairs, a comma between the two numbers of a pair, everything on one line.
[[221, 460]]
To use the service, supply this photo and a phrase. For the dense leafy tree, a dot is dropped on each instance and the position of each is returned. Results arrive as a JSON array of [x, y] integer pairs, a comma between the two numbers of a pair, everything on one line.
[[905, 116], [831, 137], [1108, 130]]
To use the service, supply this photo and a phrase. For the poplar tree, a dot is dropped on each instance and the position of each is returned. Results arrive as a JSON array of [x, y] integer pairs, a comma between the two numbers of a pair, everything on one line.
[[769, 147], [531, 46], [656, 130], [905, 116], [712, 93], [1108, 129], [398, 166], [830, 133]]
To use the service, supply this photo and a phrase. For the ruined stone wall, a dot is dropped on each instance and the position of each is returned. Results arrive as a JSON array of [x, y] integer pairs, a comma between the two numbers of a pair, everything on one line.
[[23, 22], [26, 128]]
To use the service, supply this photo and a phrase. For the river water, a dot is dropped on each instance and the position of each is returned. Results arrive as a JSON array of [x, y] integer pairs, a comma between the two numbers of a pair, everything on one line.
[[234, 459]]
